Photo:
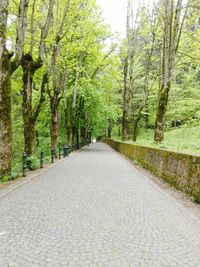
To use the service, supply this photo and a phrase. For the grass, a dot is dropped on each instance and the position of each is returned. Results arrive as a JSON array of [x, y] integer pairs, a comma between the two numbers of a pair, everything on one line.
[[184, 139]]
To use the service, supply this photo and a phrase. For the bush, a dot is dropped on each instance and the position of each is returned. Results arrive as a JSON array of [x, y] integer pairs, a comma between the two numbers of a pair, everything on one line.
[[16, 171], [33, 162], [5, 178]]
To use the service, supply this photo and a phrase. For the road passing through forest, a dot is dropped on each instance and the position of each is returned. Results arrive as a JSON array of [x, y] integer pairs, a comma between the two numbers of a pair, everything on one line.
[[95, 209]]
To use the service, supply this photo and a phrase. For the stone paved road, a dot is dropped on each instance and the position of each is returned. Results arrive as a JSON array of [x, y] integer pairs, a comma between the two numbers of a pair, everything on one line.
[[95, 209]]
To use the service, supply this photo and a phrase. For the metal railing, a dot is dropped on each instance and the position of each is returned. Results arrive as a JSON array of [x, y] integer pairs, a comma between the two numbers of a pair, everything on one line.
[[23, 160]]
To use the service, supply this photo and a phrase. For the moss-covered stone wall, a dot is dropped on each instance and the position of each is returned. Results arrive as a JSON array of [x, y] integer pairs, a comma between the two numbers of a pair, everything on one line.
[[179, 169]]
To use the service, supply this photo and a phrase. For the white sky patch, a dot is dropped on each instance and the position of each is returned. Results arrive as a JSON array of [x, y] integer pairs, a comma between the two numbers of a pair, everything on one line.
[[114, 13]]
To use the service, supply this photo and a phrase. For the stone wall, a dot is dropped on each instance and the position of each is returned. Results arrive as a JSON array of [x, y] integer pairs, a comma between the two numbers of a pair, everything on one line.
[[179, 169]]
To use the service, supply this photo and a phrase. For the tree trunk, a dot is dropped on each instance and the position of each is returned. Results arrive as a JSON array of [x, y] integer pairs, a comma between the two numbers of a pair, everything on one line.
[[67, 126], [5, 117], [135, 128], [119, 131], [68, 135], [125, 119], [83, 133], [7, 67], [109, 129], [172, 32], [74, 135], [29, 124], [29, 136], [162, 108], [29, 67], [54, 127]]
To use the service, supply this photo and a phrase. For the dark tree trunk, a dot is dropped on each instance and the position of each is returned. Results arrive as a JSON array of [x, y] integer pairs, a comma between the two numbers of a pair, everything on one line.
[[54, 127], [68, 135], [7, 67], [29, 67], [83, 133], [119, 131], [109, 129], [74, 134], [67, 121], [135, 128], [5, 116]]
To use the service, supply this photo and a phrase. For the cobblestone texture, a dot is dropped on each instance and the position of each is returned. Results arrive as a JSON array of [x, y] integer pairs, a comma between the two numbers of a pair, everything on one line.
[[94, 209]]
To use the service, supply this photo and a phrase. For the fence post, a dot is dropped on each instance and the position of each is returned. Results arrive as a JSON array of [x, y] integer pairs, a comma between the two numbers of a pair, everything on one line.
[[52, 155], [41, 158], [24, 166], [60, 153], [66, 151]]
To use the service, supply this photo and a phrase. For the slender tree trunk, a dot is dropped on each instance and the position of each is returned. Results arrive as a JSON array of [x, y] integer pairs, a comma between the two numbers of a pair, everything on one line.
[[125, 116], [54, 127], [74, 134], [83, 133], [135, 128], [172, 33], [67, 126], [68, 136], [109, 129]]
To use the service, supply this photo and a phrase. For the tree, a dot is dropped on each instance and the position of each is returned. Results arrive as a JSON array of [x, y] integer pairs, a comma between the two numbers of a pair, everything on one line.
[[9, 62], [173, 25], [29, 67]]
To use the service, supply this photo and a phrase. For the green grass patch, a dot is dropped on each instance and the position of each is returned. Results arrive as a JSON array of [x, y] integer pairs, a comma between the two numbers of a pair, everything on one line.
[[184, 139]]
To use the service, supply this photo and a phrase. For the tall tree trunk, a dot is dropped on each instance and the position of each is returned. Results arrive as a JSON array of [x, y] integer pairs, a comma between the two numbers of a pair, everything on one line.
[[83, 133], [7, 67], [29, 135], [109, 128], [165, 74], [135, 128], [29, 67], [74, 134], [67, 127], [5, 116], [54, 127], [125, 116], [172, 33]]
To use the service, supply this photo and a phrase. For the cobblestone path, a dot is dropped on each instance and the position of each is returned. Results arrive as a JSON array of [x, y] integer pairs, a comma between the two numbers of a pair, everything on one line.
[[95, 209]]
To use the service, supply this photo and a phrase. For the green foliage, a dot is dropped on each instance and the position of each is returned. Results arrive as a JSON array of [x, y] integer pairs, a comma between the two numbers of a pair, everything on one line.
[[33, 162], [183, 139]]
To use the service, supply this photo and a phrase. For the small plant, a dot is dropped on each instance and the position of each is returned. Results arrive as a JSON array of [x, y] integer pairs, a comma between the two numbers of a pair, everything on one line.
[[5, 178], [136, 162], [16, 171], [33, 162]]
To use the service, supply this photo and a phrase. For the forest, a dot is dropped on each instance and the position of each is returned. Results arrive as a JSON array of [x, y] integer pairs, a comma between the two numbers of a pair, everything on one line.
[[66, 78]]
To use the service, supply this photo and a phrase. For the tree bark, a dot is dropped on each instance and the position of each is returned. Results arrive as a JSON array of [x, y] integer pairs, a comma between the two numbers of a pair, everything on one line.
[[29, 67], [54, 127], [5, 116], [109, 128], [135, 128], [125, 116], [162, 108]]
